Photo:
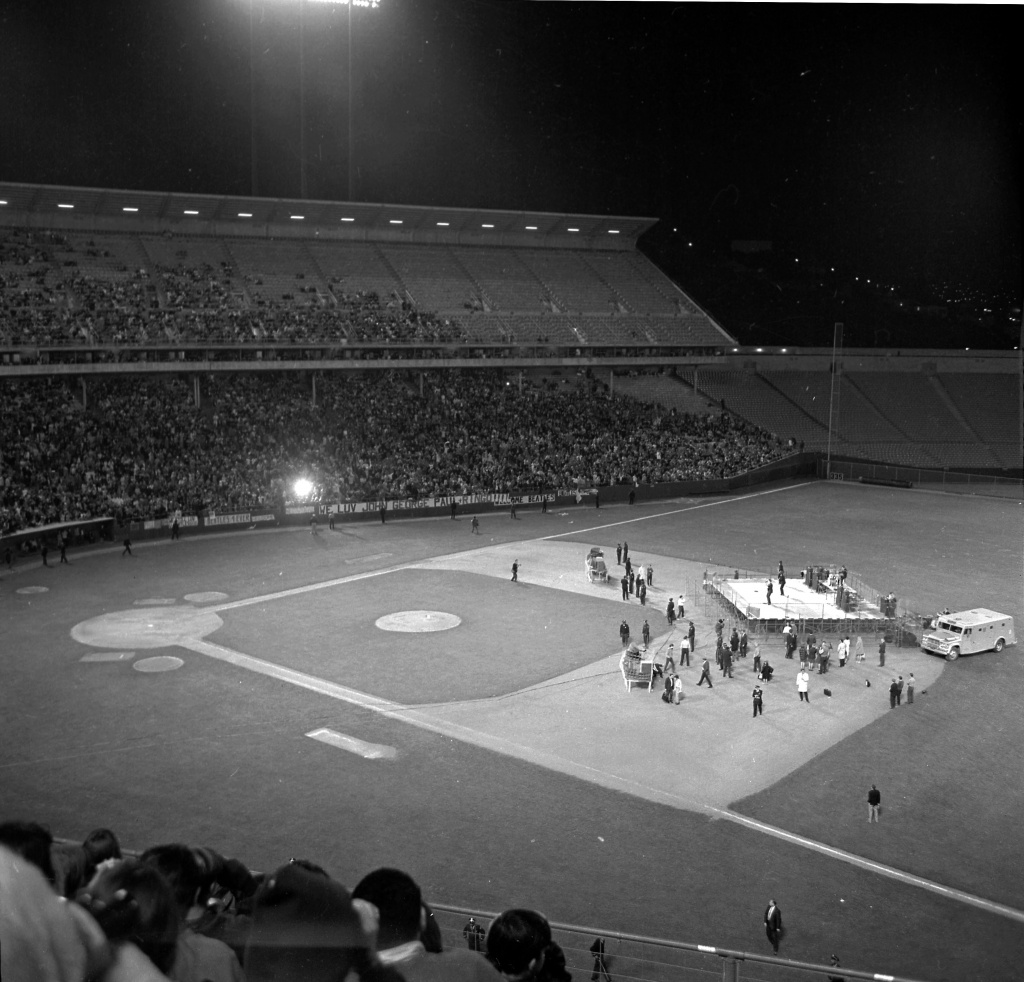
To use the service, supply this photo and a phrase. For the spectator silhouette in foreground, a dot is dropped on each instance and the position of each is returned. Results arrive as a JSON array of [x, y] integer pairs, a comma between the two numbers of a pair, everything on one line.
[[399, 903], [198, 958], [520, 946], [43, 937], [307, 928], [33, 842]]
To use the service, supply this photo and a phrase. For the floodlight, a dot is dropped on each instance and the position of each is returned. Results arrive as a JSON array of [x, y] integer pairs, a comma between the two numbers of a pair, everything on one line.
[[303, 487], [126, 208], [65, 206]]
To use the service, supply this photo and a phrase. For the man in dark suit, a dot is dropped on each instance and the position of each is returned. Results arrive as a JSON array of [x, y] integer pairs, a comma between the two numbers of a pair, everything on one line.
[[773, 924], [874, 800]]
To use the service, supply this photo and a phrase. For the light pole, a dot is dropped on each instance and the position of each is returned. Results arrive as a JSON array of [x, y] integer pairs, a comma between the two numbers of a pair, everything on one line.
[[254, 180], [303, 187], [303, 181], [349, 113]]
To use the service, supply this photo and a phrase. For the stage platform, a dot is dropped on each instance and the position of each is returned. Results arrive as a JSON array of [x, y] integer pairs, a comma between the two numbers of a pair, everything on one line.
[[746, 595]]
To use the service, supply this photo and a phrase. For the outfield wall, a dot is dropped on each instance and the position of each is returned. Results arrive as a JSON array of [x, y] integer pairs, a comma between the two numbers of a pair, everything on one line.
[[796, 465]]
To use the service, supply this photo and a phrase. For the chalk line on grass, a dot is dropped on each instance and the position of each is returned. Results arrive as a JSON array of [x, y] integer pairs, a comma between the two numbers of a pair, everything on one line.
[[679, 511], [308, 588], [951, 893]]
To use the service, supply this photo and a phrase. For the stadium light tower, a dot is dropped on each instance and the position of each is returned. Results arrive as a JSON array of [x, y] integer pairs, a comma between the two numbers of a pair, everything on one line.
[[303, 189]]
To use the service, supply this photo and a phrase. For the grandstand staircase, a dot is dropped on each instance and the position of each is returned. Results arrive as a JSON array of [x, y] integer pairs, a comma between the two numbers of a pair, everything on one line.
[[557, 304], [620, 301], [849, 380], [947, 401], [154, 277], [242, 290], [485, 300], [796, 406], [638, 267], [324, 292], [390, 267], [940, 391]]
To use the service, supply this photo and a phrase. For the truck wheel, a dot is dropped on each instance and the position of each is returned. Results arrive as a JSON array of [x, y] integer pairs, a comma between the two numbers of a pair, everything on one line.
[[1000, 644], [954, 654]]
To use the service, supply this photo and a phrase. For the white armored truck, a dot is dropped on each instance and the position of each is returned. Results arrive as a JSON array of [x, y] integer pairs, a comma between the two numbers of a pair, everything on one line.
[[968, 631]]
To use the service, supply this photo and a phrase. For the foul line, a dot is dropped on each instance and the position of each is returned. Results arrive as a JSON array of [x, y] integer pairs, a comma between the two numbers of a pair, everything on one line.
[[951, 893], [678, 511], [417, 718], [309, 588]]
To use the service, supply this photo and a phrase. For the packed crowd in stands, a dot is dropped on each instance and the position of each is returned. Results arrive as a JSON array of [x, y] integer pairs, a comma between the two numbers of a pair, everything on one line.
[[85, 912], [141, 449], [47, 298]]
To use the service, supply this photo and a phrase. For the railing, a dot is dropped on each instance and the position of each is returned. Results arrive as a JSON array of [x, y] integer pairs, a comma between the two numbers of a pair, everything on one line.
[[636, 958], [954, 481], [719, 586]]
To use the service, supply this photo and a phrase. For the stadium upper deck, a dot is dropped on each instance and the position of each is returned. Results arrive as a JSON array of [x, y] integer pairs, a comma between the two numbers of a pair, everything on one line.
[[73, 256]]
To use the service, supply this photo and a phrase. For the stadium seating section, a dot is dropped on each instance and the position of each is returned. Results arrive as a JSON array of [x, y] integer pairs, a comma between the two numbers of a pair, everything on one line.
[[140, 449], [95, 288]]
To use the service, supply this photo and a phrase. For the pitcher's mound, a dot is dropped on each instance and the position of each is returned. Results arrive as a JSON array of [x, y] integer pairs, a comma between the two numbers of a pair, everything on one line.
[[417, 621]]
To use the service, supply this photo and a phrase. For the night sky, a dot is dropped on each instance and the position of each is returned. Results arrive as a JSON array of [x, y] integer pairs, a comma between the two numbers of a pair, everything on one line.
[[884, 138]]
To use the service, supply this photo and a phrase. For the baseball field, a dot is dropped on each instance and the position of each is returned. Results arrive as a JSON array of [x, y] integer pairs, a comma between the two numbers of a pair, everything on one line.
[[384, 695]]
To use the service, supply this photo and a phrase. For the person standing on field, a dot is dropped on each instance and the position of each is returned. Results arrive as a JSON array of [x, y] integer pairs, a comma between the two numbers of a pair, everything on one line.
[[874, 801], [773, 924], [803, 680]]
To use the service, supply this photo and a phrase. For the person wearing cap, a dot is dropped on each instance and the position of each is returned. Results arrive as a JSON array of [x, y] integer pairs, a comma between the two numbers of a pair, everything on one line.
[[307, 928], [758, 697], [474, 935], [670, 660], [399, 903], [645, 633]]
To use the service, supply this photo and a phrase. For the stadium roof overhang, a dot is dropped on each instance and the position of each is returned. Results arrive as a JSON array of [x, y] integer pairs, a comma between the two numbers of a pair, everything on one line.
[[48, 206]]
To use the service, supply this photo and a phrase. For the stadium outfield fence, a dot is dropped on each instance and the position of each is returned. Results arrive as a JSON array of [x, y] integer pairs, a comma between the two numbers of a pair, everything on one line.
[[866, 471]]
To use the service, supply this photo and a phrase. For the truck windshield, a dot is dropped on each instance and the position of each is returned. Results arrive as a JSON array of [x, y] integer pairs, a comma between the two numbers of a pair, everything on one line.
[[954, 628]]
